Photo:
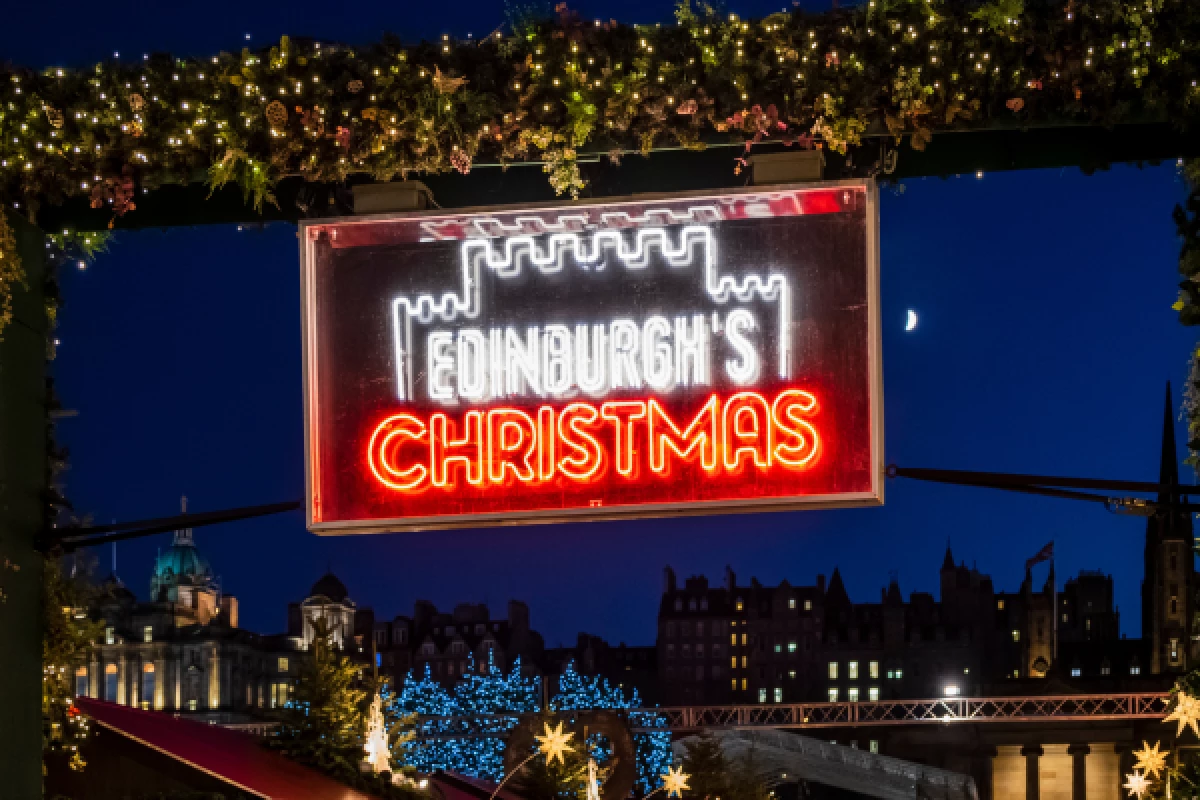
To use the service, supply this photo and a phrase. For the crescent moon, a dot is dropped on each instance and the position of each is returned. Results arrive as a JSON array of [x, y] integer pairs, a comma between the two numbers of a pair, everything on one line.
[[910, 323]]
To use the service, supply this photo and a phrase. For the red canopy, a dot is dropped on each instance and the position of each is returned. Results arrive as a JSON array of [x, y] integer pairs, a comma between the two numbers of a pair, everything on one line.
[[231, 756]]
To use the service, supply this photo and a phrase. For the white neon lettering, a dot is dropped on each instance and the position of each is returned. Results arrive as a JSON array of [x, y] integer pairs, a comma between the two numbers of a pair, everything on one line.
[[590, 372], [496, 361], [472, 365], [557, 361], [692, 362], [745, 369], [441, 364], [521, 363], [623, 354], [658, 365]]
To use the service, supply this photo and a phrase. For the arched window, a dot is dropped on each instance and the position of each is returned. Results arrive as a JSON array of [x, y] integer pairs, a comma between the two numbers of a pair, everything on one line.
[[81, 682], [110, 683], [148, 680]]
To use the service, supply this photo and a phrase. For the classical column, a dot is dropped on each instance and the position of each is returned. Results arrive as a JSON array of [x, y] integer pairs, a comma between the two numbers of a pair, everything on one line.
[[1032, 753], [1079, 753]]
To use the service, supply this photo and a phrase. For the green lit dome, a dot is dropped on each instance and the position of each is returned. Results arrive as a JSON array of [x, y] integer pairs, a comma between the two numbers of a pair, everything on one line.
[[180, 565]]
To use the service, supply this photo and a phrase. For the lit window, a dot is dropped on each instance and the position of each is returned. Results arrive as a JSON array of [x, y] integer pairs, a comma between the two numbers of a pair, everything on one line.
[[1075, 672], [743, 684], [110, 636], [282, 664], [778, 694], [808, 605], [873, 694], [1135, 670], [762, 695], [743, 640], [743, 662], [1016, 636], [733, 662], [873, 670], [873, 746], [1174, 651], [852, 670], [81, 682], [1087, 624], [891, 673], [833, 670], [833, 695], [791, 647], [733, 640], [1105, 669], [791, 602], [792, 674], [852, 694], [899, 674], [778, 647], [733, 684], [1016, 673], [148, 633], [951, 690], [739, 604], [999, 605], [966, 670], [1064, 618]]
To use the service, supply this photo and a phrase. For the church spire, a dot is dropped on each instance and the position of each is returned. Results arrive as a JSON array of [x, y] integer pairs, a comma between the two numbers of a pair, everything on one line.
[[1168, 469], [183, 536]]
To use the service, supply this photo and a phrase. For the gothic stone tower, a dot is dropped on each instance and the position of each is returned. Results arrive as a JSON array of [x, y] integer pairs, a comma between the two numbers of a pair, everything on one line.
[[1170, 579]]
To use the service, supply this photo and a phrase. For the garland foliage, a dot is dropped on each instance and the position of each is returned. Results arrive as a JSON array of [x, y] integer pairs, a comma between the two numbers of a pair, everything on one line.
[[553, 87]]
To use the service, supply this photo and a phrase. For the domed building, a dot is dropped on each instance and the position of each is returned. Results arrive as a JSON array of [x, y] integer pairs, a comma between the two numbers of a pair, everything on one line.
[[328, 603], [183, 650]]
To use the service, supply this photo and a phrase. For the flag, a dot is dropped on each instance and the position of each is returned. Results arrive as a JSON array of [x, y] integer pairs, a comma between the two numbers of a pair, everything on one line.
[[1045, 554]]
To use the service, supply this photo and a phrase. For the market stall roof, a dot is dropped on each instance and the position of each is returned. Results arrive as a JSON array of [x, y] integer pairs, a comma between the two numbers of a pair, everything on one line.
[[234, 757]]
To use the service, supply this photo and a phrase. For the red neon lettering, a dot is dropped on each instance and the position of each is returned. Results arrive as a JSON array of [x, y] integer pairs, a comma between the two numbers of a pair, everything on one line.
[[445, 451], [786, 414], [384, 449], [747, 428], [586, 457], [512, 439], [534, 447], [622, 413], [545, 443], [700, 434]]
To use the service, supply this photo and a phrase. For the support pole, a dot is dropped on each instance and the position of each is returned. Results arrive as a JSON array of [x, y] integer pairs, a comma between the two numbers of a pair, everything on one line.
[[23, 420]]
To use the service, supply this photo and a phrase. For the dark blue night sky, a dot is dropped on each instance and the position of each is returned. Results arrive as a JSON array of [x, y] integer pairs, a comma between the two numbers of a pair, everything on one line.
[[1044, 341]]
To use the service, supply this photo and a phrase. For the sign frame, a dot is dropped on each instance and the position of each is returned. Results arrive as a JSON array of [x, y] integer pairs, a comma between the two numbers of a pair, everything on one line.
[[874, 497]]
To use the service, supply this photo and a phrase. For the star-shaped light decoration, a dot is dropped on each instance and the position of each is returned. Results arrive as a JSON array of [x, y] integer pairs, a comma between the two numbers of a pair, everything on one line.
[[1150, 760], [1186, 713], [555, 743], [675, 782], [1137, 784]]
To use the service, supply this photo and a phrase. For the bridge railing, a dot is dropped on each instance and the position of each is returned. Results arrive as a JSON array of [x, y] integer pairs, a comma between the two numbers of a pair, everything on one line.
[[1033, 708]]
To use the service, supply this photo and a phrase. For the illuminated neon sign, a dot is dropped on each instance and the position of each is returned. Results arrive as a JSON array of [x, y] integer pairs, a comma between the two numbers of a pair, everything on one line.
[[631, 358]]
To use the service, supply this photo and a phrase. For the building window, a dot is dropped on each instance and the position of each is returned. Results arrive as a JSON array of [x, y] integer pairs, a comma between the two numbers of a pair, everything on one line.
[[852, 670], [699, 673], [670, 630], [733, 662], [1016, 636], [692, 604], [762, 695], [687, 651], [704, 604], [743, 640], [808, 605], [81, 682], [1174, 605], [1064, 617], [699, 628], [899, 674], [852, 694], [833, 694], [191, 704], [716, 671], [1105, 669], [791, 647], [873, 746], [739, 605], [791, 602], [743, 684], [281, 665], [733, 640], [778, 694], [110, 636], [1076, 672], [147, 685], [833, 670], [1135, 670], [1000, 605], [1087, 624], [951, 690], [679, 604], [743, 662], [873, 694], [778, 647], [148, 633], [792, 674], [733, 684], [873, 670], [1174, 651], [699, 651]]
